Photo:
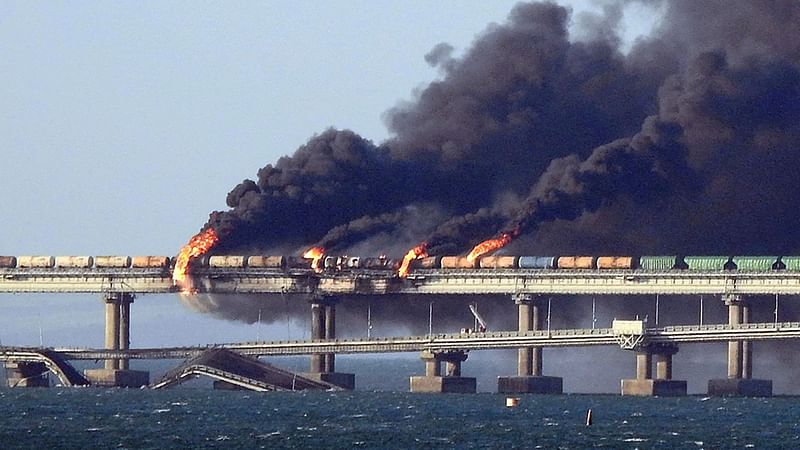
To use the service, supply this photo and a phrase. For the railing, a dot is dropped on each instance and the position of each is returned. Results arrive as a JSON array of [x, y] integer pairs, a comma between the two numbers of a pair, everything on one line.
[[443, 342]]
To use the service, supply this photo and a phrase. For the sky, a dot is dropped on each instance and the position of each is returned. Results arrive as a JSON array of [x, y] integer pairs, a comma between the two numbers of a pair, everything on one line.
[[123, 124]]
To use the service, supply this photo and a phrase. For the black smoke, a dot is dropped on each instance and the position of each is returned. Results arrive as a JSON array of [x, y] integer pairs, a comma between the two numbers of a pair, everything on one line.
[[686, 143]]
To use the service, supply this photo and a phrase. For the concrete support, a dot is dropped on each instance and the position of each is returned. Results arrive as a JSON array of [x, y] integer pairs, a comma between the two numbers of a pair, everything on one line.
[[662, 384], [644, 365], [747, 347], [452, 382], [323, 326], [740, 380], [125, 328], [734, 347], [27, 374], [663, 366], [330, 333], [317, 332], [529, 377], [112, 328], [116, 372]]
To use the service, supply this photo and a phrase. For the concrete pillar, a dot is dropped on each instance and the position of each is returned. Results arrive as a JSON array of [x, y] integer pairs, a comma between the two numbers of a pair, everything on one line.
[[529, 359], [453, 368], [330, 333], [663, 384], [644, 365], [125, 327], [525, 354], [740, 380], [26, 374], [747, 347], [433, 381], [734, 347], [663, 366], [317, 332], [536, 352], [112, 328], [433, 366]]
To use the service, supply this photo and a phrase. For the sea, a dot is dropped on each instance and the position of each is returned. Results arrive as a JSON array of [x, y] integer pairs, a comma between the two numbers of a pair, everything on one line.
[[381, 414]]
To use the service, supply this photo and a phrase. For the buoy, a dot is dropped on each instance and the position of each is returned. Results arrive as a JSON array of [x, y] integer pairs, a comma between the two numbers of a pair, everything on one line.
[[512, 402], [589, 417]]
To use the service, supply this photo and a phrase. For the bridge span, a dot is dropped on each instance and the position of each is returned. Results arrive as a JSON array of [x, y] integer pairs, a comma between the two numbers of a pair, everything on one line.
[[680, 334], [420, 282]]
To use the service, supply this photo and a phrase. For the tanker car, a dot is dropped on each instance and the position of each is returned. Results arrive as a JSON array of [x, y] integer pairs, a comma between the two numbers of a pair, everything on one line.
[[343, 263]]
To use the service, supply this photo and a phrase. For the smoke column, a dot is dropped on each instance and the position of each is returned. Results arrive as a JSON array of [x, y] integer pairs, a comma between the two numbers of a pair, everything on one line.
[[685, 144]]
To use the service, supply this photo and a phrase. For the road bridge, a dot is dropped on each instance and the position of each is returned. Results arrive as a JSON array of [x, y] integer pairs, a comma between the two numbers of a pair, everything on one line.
[[680, 334], [646, 342]]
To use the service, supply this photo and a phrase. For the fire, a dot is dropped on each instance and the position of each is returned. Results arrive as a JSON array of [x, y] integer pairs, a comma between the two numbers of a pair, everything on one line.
[[197, 245], [417, 252], [315, 254], [490, 246]]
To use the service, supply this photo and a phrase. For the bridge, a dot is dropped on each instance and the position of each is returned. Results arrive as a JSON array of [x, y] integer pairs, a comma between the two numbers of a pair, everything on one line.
[[420, 282], [526, 287], [497, 340]]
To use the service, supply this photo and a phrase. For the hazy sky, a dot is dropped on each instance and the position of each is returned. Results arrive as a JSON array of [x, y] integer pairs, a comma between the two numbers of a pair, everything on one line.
[[123, 124]]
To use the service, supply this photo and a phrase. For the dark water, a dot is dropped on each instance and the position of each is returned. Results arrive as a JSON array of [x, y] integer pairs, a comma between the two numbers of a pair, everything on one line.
[[200, 418], [381, 414]]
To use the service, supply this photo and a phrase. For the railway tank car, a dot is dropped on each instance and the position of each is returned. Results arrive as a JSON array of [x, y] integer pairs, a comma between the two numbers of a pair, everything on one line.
[[8, 262], [112, 262]]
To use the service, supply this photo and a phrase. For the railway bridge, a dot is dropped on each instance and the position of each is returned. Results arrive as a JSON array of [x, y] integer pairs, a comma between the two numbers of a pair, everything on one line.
[[525, 287]]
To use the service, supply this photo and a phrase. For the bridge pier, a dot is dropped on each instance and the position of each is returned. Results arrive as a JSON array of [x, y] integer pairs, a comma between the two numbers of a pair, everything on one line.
[[740, 380], [323, 326], [116, 372], [663, 384], [27, 374], [451, 382], [529, 379]]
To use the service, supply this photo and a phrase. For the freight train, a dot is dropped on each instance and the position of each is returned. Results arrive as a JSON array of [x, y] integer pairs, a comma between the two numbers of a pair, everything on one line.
[[333, 264]]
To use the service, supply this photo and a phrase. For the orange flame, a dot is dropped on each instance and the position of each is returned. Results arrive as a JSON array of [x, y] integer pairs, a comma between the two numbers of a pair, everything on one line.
[[489, 246], [198, 245], [315, 254], [420, 251]]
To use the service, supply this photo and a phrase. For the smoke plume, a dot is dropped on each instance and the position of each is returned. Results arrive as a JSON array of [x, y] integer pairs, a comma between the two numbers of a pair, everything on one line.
[[687, 143]]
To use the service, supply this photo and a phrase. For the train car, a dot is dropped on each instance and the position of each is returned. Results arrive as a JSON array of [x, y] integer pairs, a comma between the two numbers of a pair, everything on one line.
[[380, 263], [80, 262], [499, 262], [227, 262], [576, 262], [296, 262], [36, 261], [617, 262], [756, 263], [140, 262], [353, 262], [106, 261], [707, 263], [266, 262], [790, 263], [8, 262], [537, 262], [657, 263], [457, 262], [428, 262]]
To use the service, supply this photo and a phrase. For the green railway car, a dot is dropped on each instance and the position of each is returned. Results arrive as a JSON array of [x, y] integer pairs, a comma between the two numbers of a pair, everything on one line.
[[791, 263], [657, 263], [706, 263], [755, 263]]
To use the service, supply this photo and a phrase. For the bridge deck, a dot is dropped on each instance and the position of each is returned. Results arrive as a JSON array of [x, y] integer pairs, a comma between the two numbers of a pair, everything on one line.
[[422, 282], [443, 342]]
